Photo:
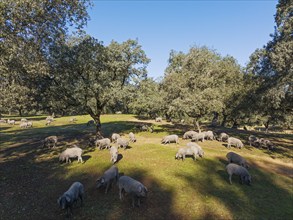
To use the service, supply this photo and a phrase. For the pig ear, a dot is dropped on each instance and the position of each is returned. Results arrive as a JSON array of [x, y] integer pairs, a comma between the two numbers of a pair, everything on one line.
[[139, 189], [102, 180], [68, 199]]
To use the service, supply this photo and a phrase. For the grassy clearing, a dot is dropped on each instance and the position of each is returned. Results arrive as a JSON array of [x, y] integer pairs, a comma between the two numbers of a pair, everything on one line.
[[31, 179]]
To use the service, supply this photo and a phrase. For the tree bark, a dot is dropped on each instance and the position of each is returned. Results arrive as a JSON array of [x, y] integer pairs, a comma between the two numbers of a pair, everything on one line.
[[267, 125], [224, 120], [97, 120], [235, 124], [196, 125], [168, 117], [126, 109], [215, 119], [19, 112]]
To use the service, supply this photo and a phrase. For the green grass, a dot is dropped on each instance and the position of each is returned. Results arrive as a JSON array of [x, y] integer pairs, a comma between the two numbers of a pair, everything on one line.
[[31, 178]]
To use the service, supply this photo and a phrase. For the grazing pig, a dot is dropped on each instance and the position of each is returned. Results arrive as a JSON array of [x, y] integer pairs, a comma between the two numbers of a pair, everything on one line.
[[29, 124], [240, 171], [189, 134], [50, 141], [158, 119], [253, 140], [72, 152], [72, 120], [194, 145], [236, 158], [188, 151], [90, 122], [49, 118], [11, 122], [132, 137], [110, 176], [209, 135], [223, 137], [198, 136], [23, 125], [146, 128], [132, 187], [265, 143], [48, 122], [71, 196], [113, 154], [103, 143], [114, 137], [170, 139], [122, 143], [234, 142]]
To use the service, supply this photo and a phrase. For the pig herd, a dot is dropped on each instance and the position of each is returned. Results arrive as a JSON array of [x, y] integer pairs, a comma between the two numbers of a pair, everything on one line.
[[126, 184]]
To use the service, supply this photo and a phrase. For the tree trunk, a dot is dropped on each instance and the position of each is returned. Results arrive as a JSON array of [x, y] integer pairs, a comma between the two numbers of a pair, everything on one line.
[[97, 120], [168, 117], [49, 110], [20, 112], [196, 125], [267, 125], [126, 109], [235, 124], [63, 112], [224, 120], [215, 119]]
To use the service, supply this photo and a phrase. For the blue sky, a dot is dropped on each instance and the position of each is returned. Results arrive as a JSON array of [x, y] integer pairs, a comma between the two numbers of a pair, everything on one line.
[[233, 28]]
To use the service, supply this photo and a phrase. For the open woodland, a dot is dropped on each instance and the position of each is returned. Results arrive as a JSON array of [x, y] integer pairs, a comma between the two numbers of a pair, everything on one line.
[[32, 178]]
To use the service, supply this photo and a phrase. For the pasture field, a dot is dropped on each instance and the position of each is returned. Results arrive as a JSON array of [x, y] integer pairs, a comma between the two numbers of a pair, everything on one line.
[[31, 178]]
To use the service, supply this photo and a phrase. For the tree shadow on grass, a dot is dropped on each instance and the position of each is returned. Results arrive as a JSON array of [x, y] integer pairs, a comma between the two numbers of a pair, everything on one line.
[[157, 204], [32, 173], [143, 117], [67, 135], [3, 128], [223, 161], [172, 129], [40, 179], [241, 201], [121, 127]]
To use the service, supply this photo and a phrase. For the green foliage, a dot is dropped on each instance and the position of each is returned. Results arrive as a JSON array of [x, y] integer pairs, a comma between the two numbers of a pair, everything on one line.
[[38, 62], [273, 66], [27, 31], [14, 97], [201, 82], [148, 98], [99, 72]]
